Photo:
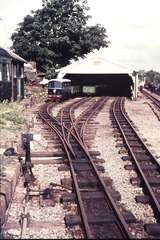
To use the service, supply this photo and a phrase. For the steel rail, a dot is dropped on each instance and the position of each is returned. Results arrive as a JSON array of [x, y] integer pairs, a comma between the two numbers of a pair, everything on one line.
[[71, 128], [76, 124], [77, 191], [98, 107], [146, 185], [122, 224], [154, 99]]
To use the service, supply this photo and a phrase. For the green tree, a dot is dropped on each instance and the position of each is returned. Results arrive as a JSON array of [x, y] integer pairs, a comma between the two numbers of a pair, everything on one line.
[[152, 79], [58, 33]]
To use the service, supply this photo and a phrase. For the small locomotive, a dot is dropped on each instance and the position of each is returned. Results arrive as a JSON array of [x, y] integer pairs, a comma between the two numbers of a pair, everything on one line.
[[61, 89]]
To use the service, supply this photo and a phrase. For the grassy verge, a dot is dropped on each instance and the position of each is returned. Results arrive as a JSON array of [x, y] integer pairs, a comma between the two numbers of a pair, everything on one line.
[[12, 117]]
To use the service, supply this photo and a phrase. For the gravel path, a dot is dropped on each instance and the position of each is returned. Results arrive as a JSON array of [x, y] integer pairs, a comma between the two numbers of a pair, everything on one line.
[[58, 107]]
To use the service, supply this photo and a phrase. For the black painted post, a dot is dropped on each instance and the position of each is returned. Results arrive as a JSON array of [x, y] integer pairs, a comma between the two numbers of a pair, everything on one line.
[[27, 150], [29, 177]]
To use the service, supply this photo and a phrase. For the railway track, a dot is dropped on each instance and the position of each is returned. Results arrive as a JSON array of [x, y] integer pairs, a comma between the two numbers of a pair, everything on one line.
[[155, 99], [99, 215], [142, 161], [96, 211]]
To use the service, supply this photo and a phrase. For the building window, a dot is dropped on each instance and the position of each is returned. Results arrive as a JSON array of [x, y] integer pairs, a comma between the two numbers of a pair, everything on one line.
[[4, 72], [8, 72]]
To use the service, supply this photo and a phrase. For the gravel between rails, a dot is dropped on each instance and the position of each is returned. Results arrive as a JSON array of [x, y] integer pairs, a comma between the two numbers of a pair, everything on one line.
[[59, 106], [114, 167], [83, 107]]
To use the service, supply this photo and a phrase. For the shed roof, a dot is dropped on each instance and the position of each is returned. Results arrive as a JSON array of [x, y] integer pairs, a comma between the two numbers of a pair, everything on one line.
[[94, 65], [9, 54]]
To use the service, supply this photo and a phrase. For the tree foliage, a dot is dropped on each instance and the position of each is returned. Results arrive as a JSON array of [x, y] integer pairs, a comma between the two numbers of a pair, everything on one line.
[[152, 78], [57, 33]]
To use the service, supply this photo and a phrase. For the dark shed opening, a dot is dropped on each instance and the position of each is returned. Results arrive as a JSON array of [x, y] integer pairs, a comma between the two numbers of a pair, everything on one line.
[[104, 84]]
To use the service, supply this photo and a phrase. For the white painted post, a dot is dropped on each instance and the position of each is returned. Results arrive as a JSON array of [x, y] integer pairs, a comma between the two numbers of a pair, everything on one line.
[[135, 74], [135, 86]]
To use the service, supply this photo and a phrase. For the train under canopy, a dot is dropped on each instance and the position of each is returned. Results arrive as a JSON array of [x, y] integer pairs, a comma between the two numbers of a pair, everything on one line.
[[103, 84]]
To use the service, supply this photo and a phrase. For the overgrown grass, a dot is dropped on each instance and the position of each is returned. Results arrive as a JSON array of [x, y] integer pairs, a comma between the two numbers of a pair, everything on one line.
[[11, 116]]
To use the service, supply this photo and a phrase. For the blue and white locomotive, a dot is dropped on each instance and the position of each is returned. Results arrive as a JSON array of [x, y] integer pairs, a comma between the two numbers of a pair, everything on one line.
[[60, 89]]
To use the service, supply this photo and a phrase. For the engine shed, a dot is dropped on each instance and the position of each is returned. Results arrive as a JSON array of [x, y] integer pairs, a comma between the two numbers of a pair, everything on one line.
[[11, 75], [102, 76]]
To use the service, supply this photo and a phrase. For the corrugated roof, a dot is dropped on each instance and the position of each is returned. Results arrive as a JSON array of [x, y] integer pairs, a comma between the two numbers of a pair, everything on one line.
[[10, 54]]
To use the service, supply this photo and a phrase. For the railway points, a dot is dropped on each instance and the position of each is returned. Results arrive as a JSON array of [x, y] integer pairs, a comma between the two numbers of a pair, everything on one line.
[[77, 123]]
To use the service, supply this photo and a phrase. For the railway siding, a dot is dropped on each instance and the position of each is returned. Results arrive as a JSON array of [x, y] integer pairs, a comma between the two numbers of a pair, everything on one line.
[[115, 169], [109, 154], [76, 153]]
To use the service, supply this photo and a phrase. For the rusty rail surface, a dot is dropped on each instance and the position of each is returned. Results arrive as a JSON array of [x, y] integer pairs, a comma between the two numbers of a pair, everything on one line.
[[99, 215], [142, 161]]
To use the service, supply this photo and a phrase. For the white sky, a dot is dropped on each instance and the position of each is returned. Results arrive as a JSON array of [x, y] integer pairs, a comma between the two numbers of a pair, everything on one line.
[[132, 27]]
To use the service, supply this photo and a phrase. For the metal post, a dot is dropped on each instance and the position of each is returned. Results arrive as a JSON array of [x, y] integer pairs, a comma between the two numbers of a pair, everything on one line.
[[28, 174], [12, 79], [26, 145], [135, 84]]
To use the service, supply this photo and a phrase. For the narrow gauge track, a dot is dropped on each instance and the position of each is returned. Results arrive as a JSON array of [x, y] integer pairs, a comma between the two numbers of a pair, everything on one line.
[[155, 99], [100, 217], [86, 117], [67, 119], [143, 162]]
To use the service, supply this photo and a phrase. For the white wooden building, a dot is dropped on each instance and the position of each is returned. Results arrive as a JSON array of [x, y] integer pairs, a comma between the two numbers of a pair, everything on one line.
[[95, 70]]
